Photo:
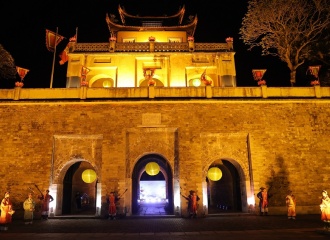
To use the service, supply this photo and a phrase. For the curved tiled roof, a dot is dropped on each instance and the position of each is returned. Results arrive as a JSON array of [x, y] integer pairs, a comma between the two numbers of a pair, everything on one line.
[[115, 27], [179, 16]]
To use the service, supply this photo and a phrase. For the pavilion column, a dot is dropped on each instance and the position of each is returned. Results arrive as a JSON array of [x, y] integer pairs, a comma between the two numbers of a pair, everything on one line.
[[191, 44], [112, 46], [152, 43]]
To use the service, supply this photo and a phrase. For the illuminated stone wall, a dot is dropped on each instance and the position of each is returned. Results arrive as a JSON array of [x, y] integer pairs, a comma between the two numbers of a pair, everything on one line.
[[171, 69], [289, 143]]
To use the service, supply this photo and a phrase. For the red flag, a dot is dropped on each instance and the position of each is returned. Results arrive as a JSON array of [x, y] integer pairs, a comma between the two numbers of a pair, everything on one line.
[[84, 71], [204, 79], [22, 72], [64, 54], [258, 73], [51, 43], [203, 76], [73, 39]]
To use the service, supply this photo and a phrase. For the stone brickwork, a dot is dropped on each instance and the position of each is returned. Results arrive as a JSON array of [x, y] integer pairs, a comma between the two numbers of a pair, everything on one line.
[[278, 143]]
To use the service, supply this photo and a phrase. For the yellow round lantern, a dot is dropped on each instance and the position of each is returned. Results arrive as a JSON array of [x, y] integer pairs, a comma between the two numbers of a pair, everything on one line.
[[214, 174], [152, 168], [196, 82], [88, 176]]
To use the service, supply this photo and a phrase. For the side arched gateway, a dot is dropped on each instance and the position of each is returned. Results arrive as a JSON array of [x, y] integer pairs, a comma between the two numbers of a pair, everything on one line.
[[79, 197], [74, 195], [72, 154]]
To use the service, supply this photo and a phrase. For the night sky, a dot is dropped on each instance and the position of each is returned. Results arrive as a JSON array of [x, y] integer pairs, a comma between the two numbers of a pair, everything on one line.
[[23, 28]]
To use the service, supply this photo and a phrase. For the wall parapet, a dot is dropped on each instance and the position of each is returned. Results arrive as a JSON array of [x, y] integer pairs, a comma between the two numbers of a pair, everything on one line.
[[153, 92], [144, 47]]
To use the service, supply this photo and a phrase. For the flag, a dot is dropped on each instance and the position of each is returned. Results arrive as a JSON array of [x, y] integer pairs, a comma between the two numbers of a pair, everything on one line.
[[258, 74], [22, 72], [84, 71], [64, 54], [204, 79], [73, 39], [51, 43], [203, 76], [314, 70]]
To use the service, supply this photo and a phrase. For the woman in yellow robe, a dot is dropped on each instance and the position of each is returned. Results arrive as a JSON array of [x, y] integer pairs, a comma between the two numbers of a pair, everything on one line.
[[6, 212]]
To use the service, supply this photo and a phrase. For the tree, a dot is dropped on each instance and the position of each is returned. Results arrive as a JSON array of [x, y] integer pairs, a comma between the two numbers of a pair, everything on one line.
[[7, 65], [288, 29], [321, 56]]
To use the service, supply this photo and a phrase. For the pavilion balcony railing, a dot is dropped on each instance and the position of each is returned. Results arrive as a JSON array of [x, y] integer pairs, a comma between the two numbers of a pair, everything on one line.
[[145, 47]]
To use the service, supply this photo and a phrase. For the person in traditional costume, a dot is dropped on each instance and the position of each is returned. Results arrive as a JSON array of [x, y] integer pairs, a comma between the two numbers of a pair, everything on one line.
[[325, 210], [192, 203], [46, 199], [29, 207], [263, 196], [290, 201], [6, 212], [112, 205]]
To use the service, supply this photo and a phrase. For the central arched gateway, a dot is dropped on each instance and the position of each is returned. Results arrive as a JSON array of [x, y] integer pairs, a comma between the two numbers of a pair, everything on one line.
[[225, 195], [152, 191]]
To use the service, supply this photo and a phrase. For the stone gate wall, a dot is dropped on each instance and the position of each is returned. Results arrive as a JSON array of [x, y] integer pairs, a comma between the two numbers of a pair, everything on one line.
[[288, 142]]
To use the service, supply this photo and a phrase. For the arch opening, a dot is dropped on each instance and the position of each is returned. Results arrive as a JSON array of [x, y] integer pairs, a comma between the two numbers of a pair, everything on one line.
[[152, 195], [224, 195], [78, 197]]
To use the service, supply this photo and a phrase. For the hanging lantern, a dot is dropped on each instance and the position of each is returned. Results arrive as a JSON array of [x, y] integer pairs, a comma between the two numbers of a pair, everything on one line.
[[88, 176], [196, 82], [152, 168], [214, 174], [258, 74]]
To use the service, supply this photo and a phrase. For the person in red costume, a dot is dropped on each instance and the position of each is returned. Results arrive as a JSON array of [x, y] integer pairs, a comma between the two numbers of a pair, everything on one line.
[[112, 200], [46, 199], [192, 203], [263, 196], [6, 212]]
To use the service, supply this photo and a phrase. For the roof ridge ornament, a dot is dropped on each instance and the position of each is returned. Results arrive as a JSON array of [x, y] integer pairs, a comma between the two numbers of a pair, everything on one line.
[[123, 13]]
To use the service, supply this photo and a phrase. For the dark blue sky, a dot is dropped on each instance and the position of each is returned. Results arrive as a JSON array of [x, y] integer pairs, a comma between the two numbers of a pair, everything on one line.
[[23, 32]]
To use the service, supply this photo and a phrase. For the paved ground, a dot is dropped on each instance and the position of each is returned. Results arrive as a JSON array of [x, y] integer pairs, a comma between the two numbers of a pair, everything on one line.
[[224, 227]]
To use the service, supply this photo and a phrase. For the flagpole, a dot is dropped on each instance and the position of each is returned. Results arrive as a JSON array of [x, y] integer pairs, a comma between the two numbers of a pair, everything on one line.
[[76, 34], [53, 66]]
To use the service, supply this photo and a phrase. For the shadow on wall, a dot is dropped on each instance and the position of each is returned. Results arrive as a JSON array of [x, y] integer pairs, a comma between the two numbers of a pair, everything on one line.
[[278, 183]]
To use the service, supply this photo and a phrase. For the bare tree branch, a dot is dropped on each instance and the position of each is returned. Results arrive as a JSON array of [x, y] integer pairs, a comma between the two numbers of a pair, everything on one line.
[[286, 29], [7, 65]]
